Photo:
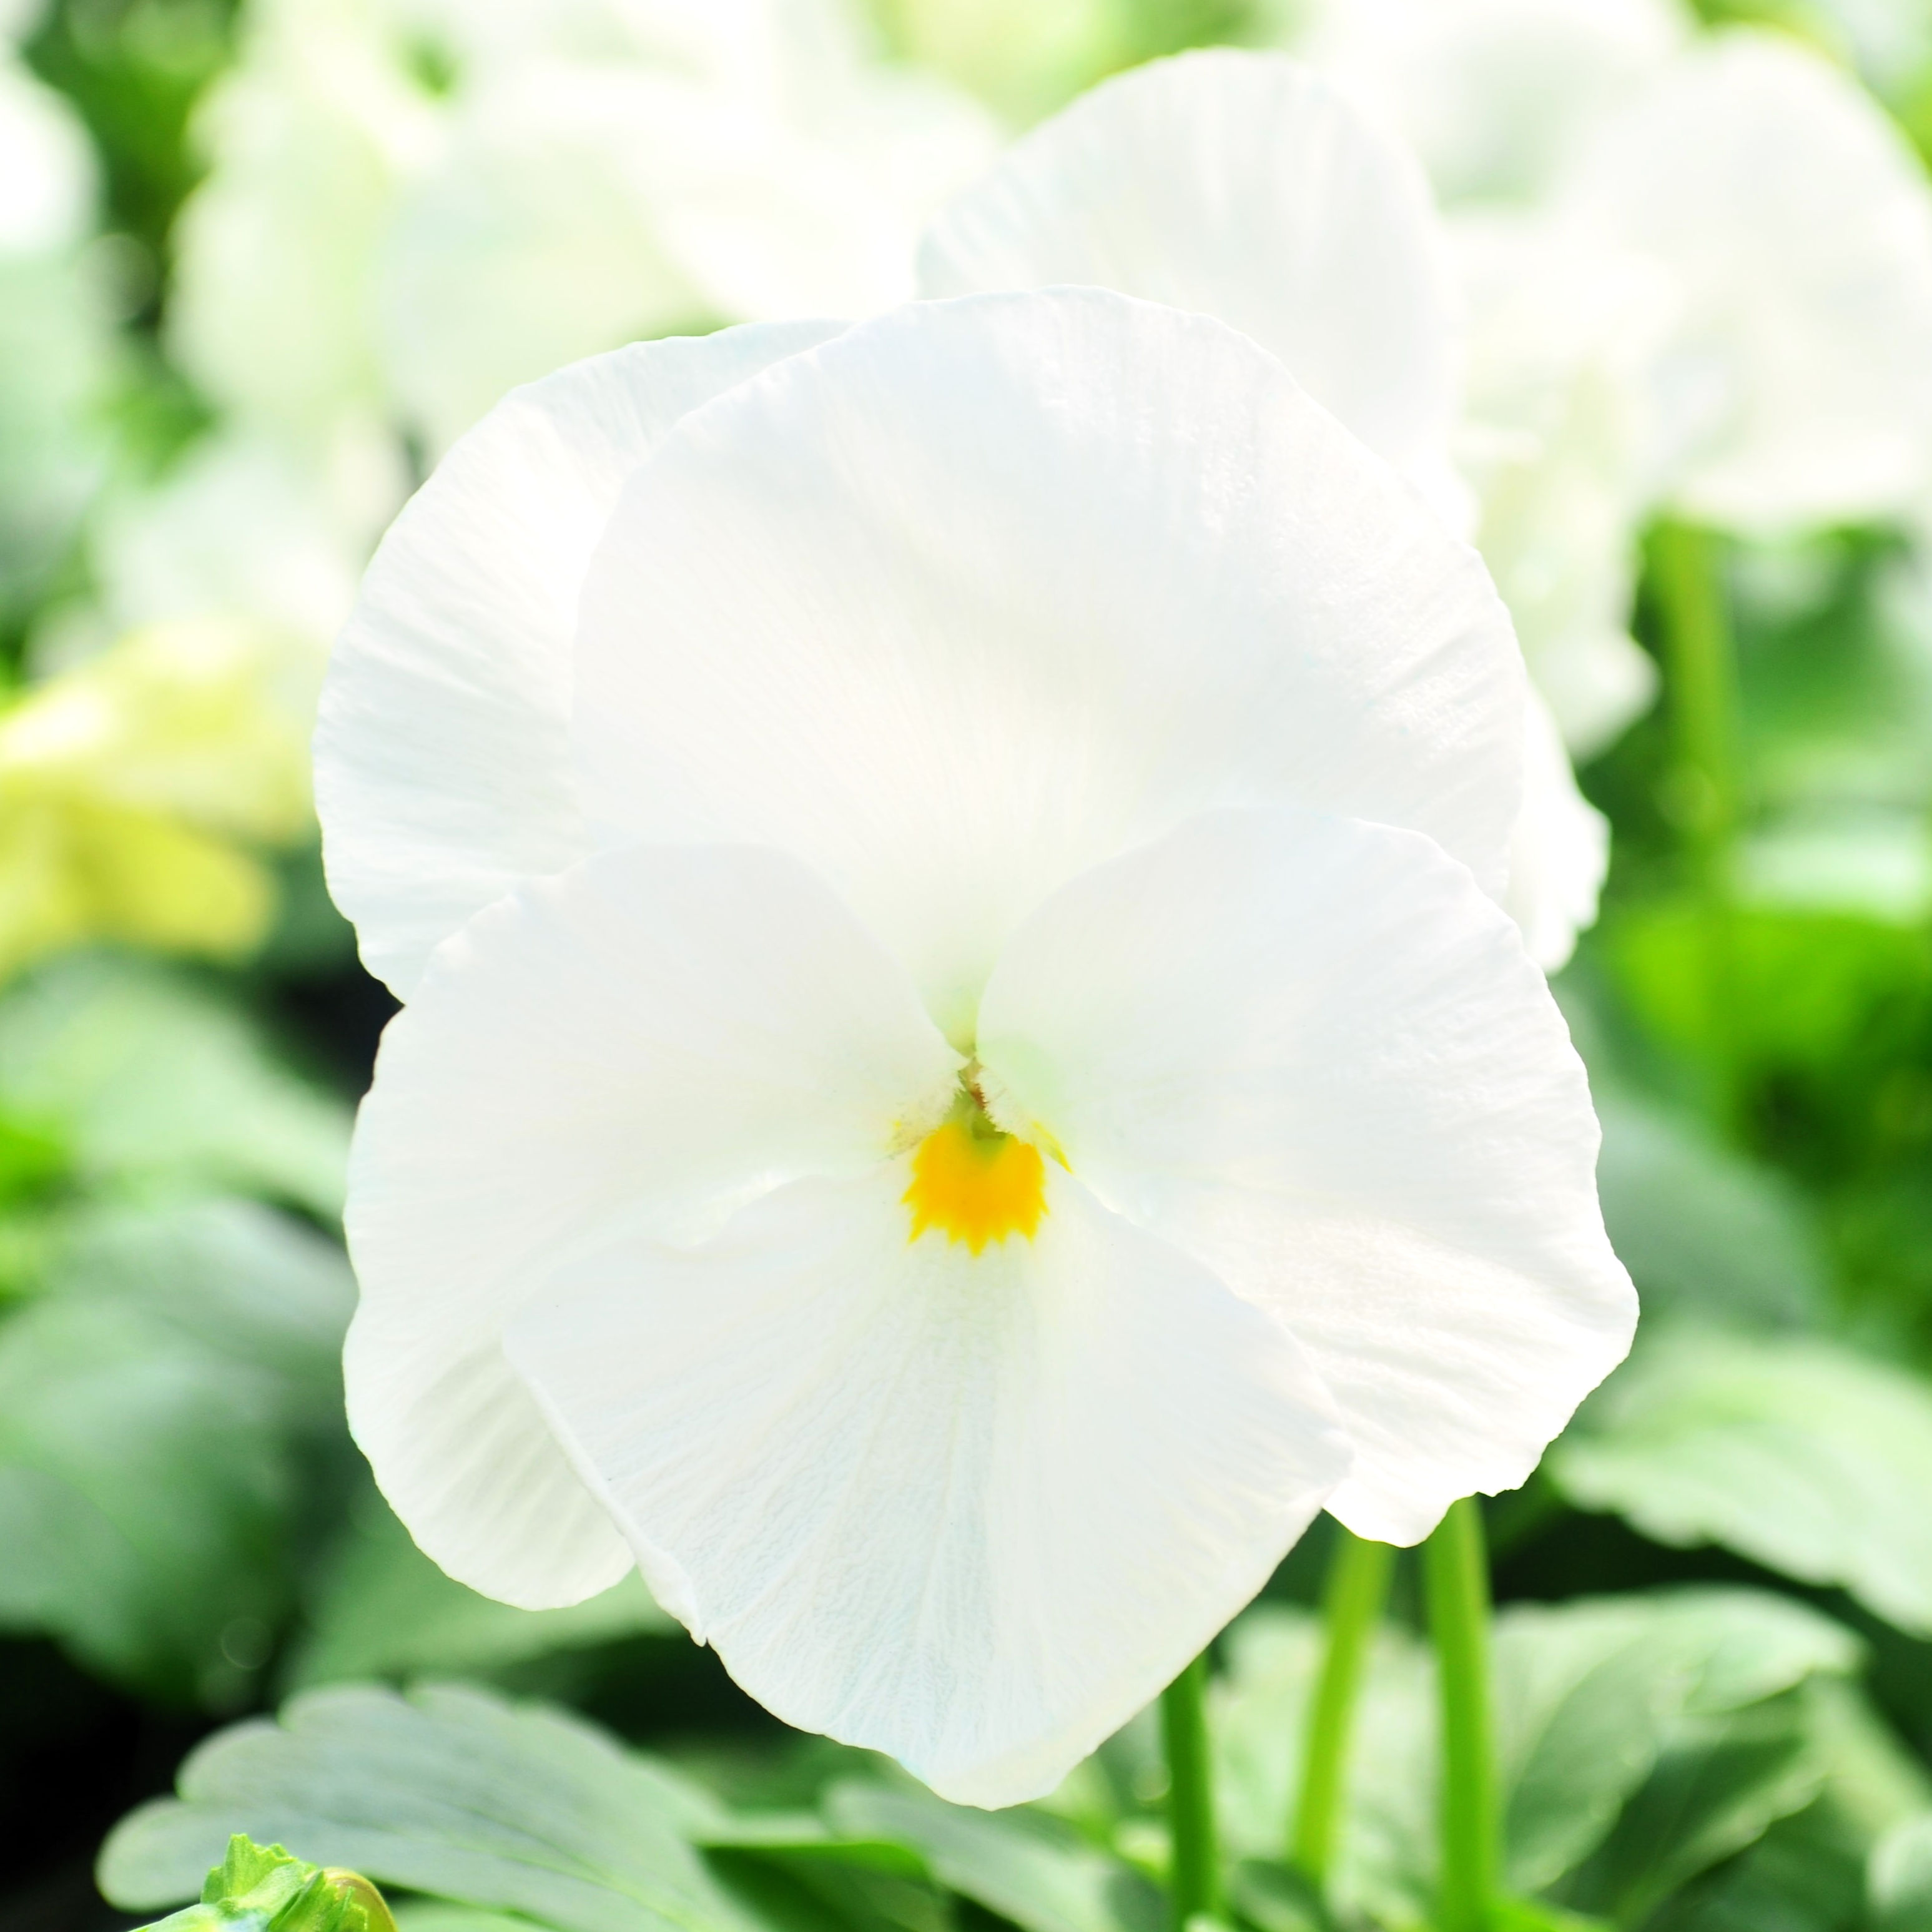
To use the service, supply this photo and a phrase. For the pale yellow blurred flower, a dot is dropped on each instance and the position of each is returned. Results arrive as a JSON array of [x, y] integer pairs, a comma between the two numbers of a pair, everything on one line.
[[139, 791]]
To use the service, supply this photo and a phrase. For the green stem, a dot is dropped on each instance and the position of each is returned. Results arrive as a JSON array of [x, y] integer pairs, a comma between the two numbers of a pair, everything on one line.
[[1457, 1577], [1194, 1869], [1700, 662], [1358, 1582]]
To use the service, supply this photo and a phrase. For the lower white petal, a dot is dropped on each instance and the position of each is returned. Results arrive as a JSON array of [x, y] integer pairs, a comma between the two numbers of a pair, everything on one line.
[[972, 1510], [1312, 1053], [641, 1043]]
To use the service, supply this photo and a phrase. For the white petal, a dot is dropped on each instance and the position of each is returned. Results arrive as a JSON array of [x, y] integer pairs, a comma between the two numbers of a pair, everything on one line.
[[983, 591], [1562, 849], [1310, 1051], [442, 771], [1798, 227], [1244, 186], [642, 1044], [974, 1510]]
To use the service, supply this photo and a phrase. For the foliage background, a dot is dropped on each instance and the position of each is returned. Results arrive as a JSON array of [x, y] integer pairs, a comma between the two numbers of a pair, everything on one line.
[[186, 1536]]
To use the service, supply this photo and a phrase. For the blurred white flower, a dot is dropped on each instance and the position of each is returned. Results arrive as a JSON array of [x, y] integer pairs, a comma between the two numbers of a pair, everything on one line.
[[1245, 186], [1494, 96], [1709, 296], [413, 206], [238, 529], [310, 139], [1793, 385], [1555, 437], [56, 331], [953, 1088]]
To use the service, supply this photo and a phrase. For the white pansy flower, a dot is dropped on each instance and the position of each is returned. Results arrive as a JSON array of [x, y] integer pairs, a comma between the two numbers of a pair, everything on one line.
[[1245, 186], [1493, 95], [1794, 386], [961, 1076]]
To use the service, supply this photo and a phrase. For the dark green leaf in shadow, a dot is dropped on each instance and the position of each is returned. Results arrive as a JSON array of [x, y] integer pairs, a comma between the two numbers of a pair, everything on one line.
[[383, 1609], [1024, 1866], [154, 1398]]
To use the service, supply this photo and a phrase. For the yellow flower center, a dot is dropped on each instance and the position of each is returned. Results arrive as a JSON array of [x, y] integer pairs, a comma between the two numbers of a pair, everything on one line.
[[973, 1182]]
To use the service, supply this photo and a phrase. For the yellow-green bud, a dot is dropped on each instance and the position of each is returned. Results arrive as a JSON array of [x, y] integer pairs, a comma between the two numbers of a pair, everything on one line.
[[265, 1888]]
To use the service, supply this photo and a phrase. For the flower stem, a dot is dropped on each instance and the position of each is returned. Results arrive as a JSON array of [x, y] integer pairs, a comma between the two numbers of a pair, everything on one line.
[[1456, 1574], [1358, 1581], [1700, 661], [1194, 1871]]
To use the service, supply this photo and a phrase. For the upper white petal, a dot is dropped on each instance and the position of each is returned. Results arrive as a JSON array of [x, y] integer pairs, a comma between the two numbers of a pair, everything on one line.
[[641, 1044], [442, 767], [1245, 186], [985, 590], [1795, 387], [974, 1510], [1312, 1053]]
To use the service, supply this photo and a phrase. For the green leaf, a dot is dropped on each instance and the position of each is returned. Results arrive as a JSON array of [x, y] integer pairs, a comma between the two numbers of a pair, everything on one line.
[[154, 1400], [449, 1791], [1794, 1452], [1385, 1856], [385, 1610], [1800, 989], [1591, 1695], [152, 1079], [1026, 1867], [1807, 1873], [1704, 1233], [1719, 1784]]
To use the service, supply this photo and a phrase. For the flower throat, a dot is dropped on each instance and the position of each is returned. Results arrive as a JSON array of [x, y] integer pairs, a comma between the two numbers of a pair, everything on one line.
[[973, 1182]]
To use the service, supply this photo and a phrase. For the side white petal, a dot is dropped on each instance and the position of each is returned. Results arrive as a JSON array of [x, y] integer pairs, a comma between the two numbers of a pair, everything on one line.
[[1245, 186], [641, 1044], [1796, 388], [984, 591], [974, 1510], [1562, 850], [1312, 1053], [443, 770]]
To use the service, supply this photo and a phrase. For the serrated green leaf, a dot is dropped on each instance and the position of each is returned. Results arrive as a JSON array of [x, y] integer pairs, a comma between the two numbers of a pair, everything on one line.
[[449, 1791], [1794, 1452]]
